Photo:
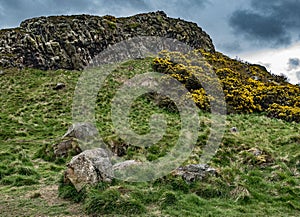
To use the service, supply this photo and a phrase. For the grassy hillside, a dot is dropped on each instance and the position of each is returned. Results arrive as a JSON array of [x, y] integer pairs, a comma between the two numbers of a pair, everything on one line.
[[34, 116]]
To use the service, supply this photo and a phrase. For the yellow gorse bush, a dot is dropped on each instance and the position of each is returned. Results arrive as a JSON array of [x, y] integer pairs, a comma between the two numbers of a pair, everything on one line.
[[248, 88]]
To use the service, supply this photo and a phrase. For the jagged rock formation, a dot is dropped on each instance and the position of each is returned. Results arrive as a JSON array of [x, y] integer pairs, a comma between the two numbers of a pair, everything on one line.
[[70, 42]]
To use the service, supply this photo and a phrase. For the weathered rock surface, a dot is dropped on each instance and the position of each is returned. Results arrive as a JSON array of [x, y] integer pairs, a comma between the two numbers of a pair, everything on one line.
[[70, 142], [66, 147], [89, 167], [82, 131], [70, 42], [194, 172], [93, 166]]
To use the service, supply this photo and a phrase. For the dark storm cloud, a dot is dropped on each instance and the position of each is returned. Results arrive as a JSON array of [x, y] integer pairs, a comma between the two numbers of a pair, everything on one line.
[[182, 8], [232, 46], [12, 12], [274, 22], [294, 63]]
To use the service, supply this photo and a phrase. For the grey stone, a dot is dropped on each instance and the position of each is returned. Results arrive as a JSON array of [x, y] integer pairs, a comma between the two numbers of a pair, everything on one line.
[[89, 168], [82, 131], [93, 166], [194, 172], [59, 86], [70, 142], [66, 147], [125, 164], [233, 130]]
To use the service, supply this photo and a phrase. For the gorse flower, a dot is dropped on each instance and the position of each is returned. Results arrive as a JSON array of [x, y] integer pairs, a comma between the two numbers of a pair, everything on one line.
[[248, 88]]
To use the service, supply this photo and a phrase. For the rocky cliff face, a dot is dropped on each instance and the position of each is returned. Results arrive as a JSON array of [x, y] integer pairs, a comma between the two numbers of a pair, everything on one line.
[[70, 42]]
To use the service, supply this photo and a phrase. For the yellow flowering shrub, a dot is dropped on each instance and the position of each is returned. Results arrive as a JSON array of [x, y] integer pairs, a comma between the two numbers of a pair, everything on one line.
[[287, 113], [247, 88]]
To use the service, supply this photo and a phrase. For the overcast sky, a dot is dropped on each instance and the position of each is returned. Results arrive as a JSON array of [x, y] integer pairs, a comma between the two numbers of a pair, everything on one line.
[[258, 31]]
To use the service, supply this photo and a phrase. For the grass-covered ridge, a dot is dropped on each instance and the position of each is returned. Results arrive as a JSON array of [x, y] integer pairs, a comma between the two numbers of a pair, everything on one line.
[[34, 115]]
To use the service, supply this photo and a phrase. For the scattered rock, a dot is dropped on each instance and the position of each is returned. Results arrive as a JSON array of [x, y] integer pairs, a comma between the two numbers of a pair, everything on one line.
[[194, 172], [234, 130], [93, 166], [59, 86], [256, 78], [257, 157], [255, 151]]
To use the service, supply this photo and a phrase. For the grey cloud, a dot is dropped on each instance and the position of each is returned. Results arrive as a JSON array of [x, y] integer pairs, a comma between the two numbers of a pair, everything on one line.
[[179, 6], [294, 63], [267, 65], [298, 76], [258, 27], [12, 12], [231, 46], [274, 22]]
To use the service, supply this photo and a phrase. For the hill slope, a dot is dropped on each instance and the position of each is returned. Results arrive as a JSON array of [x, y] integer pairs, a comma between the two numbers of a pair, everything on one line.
[[257, 163], [35, 116]]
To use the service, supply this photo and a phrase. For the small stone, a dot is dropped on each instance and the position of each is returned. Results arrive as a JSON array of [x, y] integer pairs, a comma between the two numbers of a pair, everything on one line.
[[194, 172], [234, 130], [255, 151], [256, 78], [59, 86]]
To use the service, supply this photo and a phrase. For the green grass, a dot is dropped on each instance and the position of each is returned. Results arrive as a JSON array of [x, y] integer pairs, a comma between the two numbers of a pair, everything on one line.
[[34, 116]]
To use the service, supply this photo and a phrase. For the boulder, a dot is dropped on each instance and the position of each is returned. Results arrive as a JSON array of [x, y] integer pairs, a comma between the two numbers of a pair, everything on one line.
[[93, 166], [89, 167]]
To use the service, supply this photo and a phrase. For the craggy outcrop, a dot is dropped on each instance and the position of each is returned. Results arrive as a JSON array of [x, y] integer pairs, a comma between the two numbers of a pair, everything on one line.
[[70, 42]]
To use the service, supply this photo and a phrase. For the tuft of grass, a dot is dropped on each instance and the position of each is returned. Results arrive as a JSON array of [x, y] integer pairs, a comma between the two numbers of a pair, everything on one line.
[[68, 191], [110, 201], [19, 180]]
